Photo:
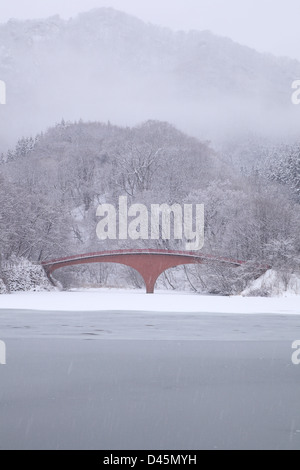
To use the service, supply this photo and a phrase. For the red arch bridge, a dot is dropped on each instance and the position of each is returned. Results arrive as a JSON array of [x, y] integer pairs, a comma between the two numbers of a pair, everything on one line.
[[150, 264]]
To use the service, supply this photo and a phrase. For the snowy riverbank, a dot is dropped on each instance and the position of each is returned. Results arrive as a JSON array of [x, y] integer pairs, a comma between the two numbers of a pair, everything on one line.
[[136, 301]]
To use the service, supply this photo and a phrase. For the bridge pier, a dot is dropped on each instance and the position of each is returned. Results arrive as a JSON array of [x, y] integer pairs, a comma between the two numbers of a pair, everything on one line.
[[150, 268], [150, 285]]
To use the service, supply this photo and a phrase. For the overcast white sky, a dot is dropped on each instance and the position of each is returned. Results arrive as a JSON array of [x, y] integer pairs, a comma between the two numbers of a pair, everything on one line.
[[266, 25]]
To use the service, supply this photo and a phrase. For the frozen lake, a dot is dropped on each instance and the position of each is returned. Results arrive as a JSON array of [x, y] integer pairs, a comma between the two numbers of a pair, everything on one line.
[[134, 380]]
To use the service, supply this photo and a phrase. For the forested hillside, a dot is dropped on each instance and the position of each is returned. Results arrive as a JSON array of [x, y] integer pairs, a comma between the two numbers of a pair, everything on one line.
[[52, 184]]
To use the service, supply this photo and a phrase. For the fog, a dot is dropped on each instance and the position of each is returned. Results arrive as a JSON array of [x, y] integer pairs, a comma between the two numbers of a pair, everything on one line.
[[105, 65]]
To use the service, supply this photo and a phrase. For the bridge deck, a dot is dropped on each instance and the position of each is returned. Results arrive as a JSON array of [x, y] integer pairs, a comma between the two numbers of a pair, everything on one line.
[[150, 264], [188, 254]]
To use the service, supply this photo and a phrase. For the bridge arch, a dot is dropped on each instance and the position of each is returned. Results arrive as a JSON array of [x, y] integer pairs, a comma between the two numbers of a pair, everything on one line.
[[150, 264]]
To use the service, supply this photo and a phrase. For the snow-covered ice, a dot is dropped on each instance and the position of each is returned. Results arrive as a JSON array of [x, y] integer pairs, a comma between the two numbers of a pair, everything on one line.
[[115, 314]]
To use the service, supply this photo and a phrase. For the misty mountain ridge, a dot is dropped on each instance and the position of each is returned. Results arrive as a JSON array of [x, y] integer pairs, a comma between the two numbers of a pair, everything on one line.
[[107, 65]]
